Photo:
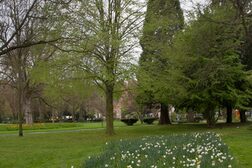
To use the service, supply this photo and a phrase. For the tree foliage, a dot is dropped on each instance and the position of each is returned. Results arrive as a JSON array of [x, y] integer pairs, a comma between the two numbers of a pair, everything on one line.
[[27, 28], [104, 36], [157, 76], [209, 56]]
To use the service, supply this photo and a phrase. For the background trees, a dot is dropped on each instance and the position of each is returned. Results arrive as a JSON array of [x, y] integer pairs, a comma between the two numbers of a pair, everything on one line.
[[59, 52], [23, 26], [209, 51]]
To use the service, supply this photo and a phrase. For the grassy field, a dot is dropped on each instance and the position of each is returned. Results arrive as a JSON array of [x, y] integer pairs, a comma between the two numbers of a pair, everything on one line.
[[38, 127], [66, 149]]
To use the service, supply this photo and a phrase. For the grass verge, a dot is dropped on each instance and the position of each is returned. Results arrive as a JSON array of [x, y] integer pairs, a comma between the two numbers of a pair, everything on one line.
[[66, 149]]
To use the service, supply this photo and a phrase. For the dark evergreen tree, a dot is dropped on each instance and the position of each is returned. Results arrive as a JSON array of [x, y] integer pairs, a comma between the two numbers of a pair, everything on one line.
[[163, 20], [241, 18], [209, 51], [244, 11]]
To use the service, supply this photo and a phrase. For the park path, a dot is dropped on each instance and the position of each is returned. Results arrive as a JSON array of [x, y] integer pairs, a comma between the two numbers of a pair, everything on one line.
[[50, 131]]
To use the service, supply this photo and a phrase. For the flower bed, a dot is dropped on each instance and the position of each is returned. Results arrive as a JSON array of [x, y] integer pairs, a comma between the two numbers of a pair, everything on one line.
[[199, 150]]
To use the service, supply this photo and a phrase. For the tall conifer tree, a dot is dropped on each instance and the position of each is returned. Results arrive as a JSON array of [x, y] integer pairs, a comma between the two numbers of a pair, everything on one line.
[[241, 9], [163, 20]]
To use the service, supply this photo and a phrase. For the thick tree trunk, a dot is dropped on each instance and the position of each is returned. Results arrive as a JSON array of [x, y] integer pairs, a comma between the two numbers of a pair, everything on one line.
[[211, 118], [209, 115], [190, 116], [109, 111], [164, 117], [243, 118], [28, 111], [229, 114]]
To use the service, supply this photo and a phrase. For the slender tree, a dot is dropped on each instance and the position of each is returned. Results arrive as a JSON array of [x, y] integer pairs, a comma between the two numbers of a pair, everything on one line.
[[23, 26]]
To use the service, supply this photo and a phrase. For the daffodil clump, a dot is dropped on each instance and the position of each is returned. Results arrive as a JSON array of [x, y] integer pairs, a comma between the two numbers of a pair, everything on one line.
[[198, 150]]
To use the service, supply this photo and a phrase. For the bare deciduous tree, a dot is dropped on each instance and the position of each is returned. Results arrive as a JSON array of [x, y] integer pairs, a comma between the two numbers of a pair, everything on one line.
[[25, 32]]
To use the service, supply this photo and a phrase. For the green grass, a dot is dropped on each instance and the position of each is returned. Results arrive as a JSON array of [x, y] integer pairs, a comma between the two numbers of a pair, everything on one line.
[[64, 149], [45, 127]]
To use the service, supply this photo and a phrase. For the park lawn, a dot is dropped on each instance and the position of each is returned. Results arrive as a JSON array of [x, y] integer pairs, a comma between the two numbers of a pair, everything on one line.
[[38, 127], [64, 149]]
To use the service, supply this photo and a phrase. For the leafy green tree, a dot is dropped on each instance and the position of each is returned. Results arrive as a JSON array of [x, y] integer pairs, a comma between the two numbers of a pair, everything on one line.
[[209, 58], [242, 19], [156, 76], [104, 34], [62, 83], [243, 8]]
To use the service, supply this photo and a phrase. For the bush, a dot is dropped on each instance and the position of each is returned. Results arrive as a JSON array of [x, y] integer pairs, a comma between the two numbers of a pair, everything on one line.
[[197, 150], [97, 120], [149, 120], [129, 121], [198, 119]]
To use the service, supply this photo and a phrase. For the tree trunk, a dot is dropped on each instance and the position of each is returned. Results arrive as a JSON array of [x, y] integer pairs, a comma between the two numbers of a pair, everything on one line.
[[20, 109], [27, 111], [243, 118], [164, 117], [109, 111], [210, 117], [20, 88], [41, 112], [190, 116], [20, 99], [229, 114]]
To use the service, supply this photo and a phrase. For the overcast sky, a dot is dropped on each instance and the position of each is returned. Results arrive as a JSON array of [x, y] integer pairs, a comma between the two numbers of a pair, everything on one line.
[[190, 4]]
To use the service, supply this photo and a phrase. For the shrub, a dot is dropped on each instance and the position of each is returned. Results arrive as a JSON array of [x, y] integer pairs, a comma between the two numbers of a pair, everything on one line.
[[129, 121], [198, 119], [199, 150], [97, 120], [149, 120]]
